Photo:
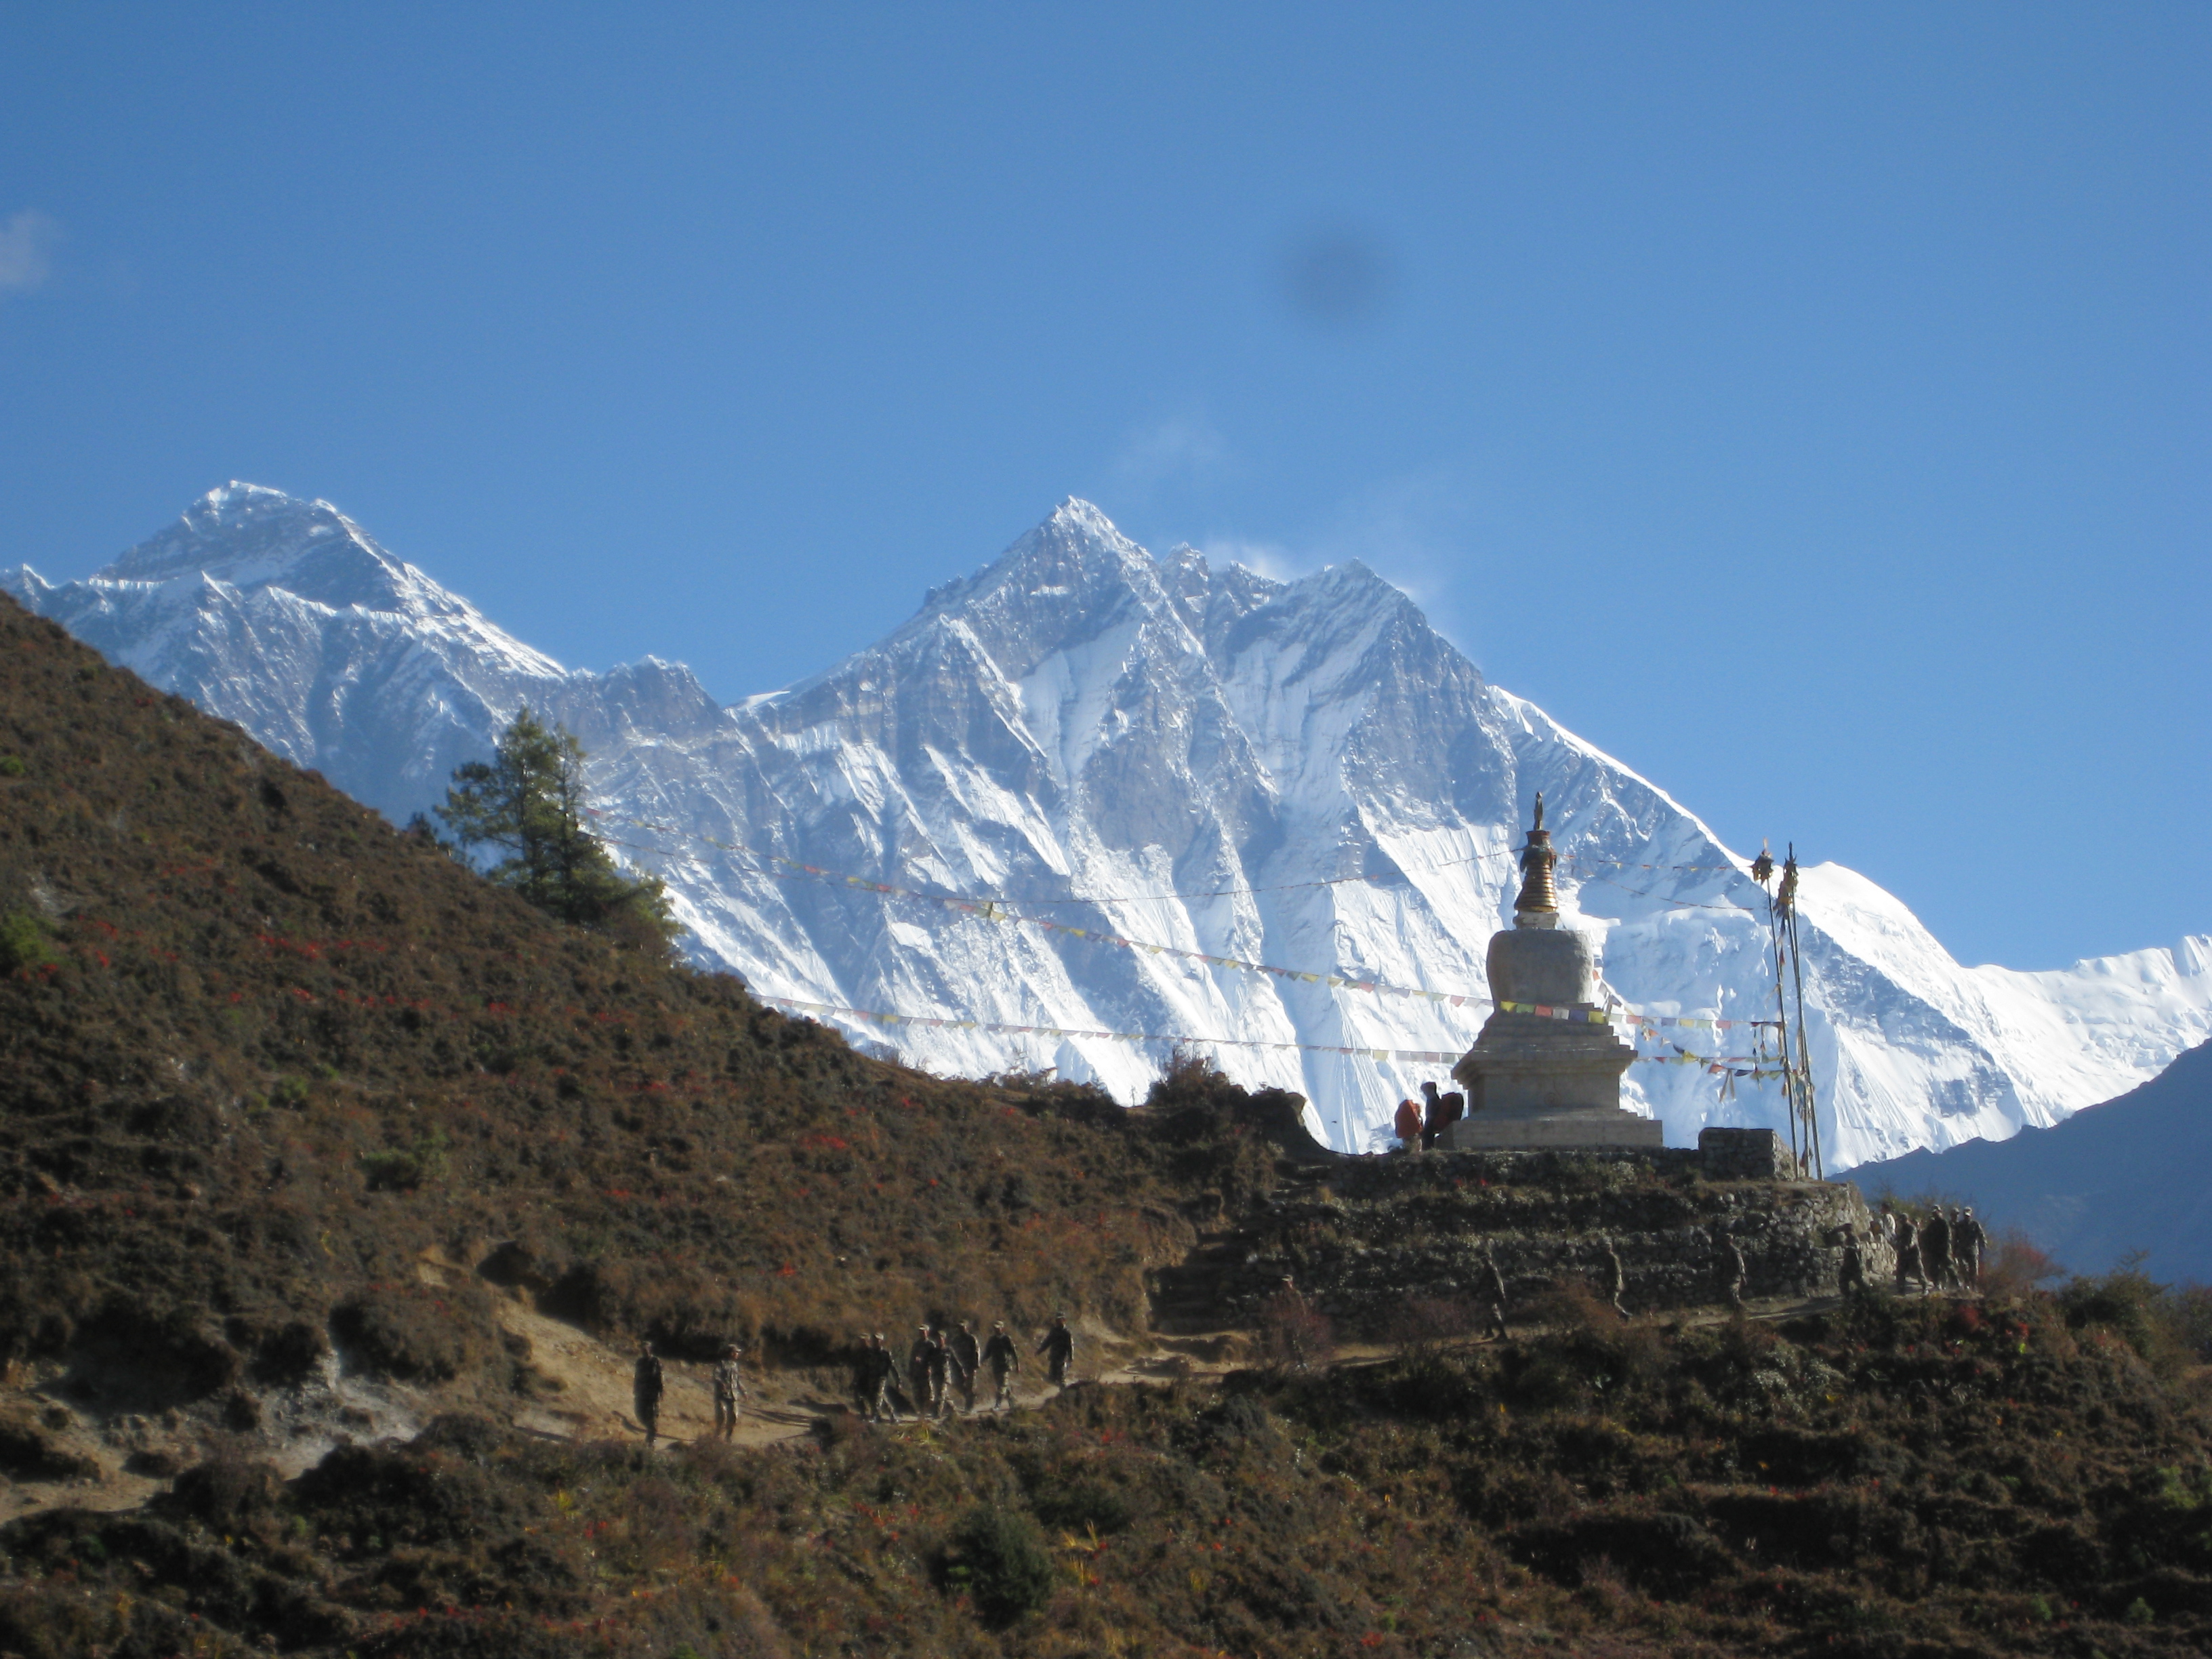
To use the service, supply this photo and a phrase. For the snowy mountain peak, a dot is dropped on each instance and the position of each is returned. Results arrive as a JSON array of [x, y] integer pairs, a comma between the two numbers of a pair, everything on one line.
[[1276, 818], [241, 530]]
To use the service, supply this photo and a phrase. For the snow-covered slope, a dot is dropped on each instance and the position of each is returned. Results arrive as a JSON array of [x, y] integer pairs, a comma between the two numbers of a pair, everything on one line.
[[1302, 774]]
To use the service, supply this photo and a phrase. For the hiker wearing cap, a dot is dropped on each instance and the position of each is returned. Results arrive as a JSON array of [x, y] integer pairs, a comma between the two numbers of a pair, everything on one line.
[[1058, 1349], [729, 1389], [998, 1354]]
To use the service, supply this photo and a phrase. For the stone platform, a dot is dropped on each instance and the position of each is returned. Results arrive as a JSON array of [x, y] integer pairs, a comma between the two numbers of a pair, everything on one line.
[[1610, 1128]]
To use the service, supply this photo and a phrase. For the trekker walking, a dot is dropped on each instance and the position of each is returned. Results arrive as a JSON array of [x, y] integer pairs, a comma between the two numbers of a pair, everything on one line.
[[1731, 1267], [966, 1357], [1616, 1279], [729, 1389], [1850, 1276], [646, 1386], [1407, 1125], [1059, 1349], [1936, 1248], [940, 1373], [1907, 1244], [917, 1372], [882, 1383], [1968, 1239], [998, 1354], [865, 1385], [1490, 1297]]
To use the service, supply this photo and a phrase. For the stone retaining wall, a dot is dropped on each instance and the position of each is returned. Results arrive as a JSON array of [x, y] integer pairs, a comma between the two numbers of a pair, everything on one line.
[[1361, 1236]]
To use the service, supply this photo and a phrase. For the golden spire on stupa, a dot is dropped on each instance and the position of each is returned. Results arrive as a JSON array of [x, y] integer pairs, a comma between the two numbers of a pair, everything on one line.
[[1539, 898]]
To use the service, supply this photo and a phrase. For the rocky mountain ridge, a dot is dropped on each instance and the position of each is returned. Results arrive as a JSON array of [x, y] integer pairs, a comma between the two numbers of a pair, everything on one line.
[[1147, 752]]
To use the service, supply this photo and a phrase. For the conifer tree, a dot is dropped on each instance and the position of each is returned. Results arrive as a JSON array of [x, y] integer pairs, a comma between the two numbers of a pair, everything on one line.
[[528, 802]]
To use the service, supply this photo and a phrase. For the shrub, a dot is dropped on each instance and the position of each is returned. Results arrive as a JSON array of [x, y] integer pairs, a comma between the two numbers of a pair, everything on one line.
[[23, 942], [1083, 1506], [414, 1335], [2126, 1301], [401, 1168], [1294, 1335], [2016, 1267], [10, 767], [996, 1557]]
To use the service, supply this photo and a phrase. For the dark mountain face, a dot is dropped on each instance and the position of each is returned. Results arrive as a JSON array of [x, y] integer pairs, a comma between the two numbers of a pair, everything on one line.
[[2133, 1174]]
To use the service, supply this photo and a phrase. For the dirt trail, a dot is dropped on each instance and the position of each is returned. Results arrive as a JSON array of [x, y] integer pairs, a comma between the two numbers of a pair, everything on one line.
[[592, 1401], [585, 1395]]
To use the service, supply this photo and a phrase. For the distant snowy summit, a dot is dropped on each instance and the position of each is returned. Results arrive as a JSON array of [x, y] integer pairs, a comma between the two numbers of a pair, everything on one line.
[[1108, 788]]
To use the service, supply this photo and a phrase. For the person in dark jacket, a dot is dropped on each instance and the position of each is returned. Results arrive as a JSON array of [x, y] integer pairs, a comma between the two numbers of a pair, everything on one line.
[[1059, 1351], [1936, 1248], [646, 1387], [918, 1371], [999, 1355], [883, 1369], [941, 1373], [966, 1357], [1442, 1111], [1850, 1276]]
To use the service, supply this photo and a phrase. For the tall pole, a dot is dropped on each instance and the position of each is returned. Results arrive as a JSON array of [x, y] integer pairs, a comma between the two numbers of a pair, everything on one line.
[[1762, 869], [1804, 1051]]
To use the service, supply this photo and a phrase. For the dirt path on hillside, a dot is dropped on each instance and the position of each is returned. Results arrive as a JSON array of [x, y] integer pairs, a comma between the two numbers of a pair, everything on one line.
[[584, 1394]]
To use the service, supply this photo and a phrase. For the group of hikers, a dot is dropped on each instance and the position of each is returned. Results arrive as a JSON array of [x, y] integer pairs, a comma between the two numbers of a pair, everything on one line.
[[1418, 1128], [1941, 1251], [649, 1383], [938, 1362]]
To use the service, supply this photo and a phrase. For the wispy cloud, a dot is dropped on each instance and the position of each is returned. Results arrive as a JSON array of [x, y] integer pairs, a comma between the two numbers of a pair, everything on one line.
[[1269, 559], [1180, 448], [1431, 533], [26, 245]]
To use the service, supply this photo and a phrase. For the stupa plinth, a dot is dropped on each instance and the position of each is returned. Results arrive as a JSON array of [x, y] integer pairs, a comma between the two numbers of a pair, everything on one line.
[[1546, 1069]]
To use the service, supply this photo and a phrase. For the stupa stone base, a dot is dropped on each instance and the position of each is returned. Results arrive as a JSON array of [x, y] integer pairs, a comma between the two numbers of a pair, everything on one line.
[[1613, 1127]]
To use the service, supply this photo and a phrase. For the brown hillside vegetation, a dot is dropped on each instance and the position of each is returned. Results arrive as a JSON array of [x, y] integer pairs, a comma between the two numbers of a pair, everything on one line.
[[274, 1076], [260, 1054]]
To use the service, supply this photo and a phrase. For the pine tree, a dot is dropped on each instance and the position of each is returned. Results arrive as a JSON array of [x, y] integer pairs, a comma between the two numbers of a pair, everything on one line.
[[528, 802]]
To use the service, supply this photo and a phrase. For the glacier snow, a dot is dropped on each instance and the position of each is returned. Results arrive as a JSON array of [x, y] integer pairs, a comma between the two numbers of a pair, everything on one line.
[[1303, 774]]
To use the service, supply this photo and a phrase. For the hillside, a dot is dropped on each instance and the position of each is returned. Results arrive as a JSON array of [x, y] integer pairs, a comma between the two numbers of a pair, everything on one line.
[[1301, 792], [2125, 1176], [262, 1056], [295, 1112]]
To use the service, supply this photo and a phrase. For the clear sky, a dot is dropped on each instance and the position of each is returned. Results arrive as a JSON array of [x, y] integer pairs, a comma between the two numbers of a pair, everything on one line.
[[1809, 405]]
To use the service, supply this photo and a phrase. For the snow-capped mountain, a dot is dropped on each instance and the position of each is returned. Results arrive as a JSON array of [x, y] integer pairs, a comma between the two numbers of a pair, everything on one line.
[[1148, 752]]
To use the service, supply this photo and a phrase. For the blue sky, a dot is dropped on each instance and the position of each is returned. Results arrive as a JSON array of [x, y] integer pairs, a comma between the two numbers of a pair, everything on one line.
[[1810, 407]]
